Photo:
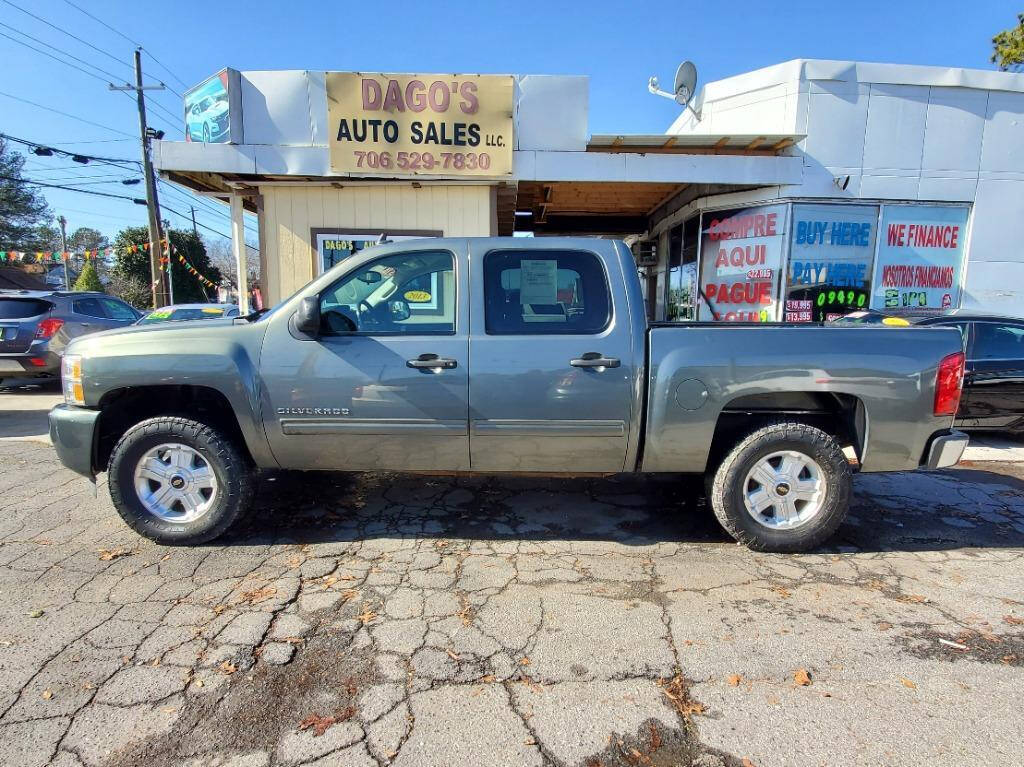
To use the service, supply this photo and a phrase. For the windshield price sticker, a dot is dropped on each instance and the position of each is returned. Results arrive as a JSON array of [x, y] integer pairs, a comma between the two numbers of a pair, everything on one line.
[[449, 125]]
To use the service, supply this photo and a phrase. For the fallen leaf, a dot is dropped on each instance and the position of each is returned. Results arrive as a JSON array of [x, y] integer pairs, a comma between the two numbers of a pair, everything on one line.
[[883, 625], [294, 640], [676, 690], [488, 679], [257, 595], [524, 661], [227, 668], [36, 614], [782, 591], [530, 741], [452, 654], [734, 680], [320, 724], [165, 557], [1013, 620], [367, 616], [107, 555], [348, 595], [747, 763], [802, 677], [47, 694], [200, 683], [168, 709], [917, 598], [907, 683]]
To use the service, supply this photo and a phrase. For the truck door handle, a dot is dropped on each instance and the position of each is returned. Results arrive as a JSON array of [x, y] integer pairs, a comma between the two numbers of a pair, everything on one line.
[[432, 361], [595, 360]]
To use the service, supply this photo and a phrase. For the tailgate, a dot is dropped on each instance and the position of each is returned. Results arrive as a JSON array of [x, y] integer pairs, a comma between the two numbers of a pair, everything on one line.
[[19, 318]]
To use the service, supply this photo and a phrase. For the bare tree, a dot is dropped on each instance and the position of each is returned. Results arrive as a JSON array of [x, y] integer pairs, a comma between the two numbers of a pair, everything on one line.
[[221, 256]]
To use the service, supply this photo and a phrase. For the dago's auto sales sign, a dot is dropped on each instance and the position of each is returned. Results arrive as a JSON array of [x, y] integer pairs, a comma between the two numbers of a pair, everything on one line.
[[443, 125]]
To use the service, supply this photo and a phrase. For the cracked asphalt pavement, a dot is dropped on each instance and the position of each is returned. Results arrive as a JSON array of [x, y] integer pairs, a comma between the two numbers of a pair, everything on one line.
[[402, 620]]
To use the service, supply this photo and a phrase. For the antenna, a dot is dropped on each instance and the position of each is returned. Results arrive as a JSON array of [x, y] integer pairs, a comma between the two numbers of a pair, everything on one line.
[[684, 86]]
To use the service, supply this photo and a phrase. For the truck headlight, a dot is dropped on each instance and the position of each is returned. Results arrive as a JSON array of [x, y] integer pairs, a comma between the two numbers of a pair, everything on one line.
[[71, 377]]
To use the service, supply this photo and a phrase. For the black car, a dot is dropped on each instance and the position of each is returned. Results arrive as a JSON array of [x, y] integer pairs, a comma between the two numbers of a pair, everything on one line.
[[993, 396]]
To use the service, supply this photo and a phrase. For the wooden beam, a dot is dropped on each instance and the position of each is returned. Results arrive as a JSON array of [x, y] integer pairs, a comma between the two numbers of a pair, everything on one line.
[[617, 141], [756, 143], [720, 143], [782, 144], [671, 140]]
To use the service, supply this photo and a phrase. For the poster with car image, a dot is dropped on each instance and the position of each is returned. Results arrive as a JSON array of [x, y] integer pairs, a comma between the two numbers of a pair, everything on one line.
[[213, 110]]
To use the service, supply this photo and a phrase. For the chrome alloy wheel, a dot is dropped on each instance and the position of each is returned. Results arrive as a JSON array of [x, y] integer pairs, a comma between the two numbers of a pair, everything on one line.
[[174, 482], [784, 490]]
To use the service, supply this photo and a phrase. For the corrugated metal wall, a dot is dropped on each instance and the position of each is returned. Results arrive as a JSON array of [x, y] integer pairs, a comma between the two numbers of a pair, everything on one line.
[[291, 212]]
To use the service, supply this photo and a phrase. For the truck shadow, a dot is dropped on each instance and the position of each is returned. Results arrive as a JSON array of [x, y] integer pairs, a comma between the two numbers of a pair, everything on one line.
[[918, 511]]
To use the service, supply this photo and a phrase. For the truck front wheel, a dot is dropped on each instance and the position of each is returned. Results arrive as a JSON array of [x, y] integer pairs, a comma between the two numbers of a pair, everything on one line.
[[178, 482], [784, 488]]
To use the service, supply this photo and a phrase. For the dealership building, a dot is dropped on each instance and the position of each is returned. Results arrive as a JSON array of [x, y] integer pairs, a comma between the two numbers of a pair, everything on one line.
[[791, 193]]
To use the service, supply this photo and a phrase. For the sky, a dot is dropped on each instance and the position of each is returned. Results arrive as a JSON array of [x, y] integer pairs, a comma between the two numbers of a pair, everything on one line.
[[618, 44]]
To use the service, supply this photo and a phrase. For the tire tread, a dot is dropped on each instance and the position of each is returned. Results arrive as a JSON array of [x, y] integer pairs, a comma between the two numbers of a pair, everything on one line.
[[802, 540]]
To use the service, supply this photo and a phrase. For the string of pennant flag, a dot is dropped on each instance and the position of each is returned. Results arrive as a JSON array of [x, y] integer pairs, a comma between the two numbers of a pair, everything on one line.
[[57, 257]]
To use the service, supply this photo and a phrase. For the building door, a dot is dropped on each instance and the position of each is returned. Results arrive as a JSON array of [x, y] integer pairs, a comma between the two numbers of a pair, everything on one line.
[[551, 385], [384, 386]]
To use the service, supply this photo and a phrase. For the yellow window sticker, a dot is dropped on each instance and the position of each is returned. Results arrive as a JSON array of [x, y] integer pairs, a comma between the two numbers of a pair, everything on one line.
[[212, 310], [896, 321], [417, 296]]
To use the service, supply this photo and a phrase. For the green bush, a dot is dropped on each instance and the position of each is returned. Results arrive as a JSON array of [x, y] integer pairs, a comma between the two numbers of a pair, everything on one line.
[[89, 279]]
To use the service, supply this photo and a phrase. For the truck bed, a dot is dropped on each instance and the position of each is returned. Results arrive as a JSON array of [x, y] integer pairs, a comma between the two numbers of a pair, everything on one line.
[[880, 379]]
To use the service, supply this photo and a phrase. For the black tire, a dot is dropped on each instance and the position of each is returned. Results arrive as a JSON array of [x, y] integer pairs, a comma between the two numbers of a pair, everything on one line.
[[727, 488], [235, 480]]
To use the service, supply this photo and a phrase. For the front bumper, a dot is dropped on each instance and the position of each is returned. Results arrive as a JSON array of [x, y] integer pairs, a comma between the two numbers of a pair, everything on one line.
[[73, 433], [946, 449]]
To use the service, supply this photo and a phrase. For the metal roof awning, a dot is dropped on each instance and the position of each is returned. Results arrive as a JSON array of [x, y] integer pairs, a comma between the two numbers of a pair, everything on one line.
[[749, 143]]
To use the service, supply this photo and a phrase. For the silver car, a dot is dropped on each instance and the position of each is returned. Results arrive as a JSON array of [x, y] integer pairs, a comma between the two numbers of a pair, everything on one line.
[[184, 312], [36, 325]]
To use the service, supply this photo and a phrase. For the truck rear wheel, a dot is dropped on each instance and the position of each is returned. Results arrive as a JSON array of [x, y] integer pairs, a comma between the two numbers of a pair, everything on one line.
[[179, 482], [784, 488]]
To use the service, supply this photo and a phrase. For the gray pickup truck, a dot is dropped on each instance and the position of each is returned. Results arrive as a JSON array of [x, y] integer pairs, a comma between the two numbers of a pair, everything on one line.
[[503, 356]]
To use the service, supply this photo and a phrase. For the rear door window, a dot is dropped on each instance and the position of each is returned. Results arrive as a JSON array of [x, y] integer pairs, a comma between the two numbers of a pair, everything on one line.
[[993, 341], [555, 292], [22, 308], [90, 307]]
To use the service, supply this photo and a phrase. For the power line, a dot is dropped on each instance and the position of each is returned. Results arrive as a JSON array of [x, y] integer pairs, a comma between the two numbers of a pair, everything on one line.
[[65, 153], [69, 34], [133, 42], [202, 203], [64, 114], [47, 53], [73, 189]]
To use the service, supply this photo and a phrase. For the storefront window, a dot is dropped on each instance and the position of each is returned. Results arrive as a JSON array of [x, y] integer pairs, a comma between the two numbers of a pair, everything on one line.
[[741, 260], [334, 247], [682, 286], [830, 258], [920, 257]]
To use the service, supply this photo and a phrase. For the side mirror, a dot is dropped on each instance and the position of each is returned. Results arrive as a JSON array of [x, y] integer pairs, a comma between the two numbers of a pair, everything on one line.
[[307, 318]]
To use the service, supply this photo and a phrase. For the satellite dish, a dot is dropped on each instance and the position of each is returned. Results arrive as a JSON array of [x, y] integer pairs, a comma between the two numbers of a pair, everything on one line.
[[685, 83], [684, 87]]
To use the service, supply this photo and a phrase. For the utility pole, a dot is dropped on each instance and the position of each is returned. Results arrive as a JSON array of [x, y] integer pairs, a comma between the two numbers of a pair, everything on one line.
[[159, 287], [194, 229], [64, 249]]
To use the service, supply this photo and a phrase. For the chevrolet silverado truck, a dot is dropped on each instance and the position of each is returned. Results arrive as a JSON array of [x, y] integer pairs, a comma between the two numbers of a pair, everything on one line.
[[503, 355]]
